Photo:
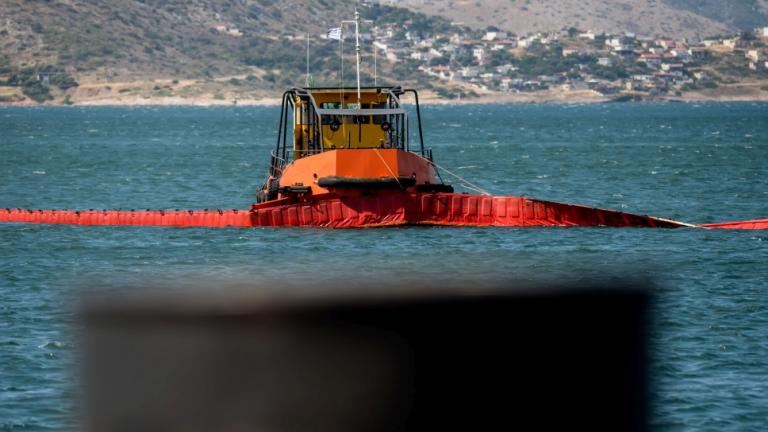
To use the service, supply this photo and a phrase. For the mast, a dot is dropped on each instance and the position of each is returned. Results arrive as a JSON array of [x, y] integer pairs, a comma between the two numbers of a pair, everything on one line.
[[356, 22], [307, 84], [357, 53], [374, 67]]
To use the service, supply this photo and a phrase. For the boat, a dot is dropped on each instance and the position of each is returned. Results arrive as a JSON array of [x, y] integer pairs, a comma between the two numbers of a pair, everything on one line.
[[344, 158], [347, 141]]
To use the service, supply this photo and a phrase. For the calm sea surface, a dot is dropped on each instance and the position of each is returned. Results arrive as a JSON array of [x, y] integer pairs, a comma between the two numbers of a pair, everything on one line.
[[696, 163]]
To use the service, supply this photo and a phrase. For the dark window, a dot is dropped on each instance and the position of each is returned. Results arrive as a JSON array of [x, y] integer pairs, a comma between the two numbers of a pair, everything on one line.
[[379, 119]]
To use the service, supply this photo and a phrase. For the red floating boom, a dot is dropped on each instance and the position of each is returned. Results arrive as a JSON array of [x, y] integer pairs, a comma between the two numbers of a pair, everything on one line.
[[179, 218], [756, 224], [444, 209], [382, 209]]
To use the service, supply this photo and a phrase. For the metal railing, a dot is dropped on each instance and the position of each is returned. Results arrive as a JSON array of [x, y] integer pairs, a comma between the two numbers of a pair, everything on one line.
[[314, 140]]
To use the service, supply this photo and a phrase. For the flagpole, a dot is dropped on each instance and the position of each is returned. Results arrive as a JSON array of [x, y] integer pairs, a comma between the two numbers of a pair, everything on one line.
[[357, 53], [307, 59], [341, 67], [341, 86]]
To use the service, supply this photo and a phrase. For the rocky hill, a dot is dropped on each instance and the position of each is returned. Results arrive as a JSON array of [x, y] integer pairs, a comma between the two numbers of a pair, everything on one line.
[[147, 38], [225, 51], [140, 50], [672, 18]]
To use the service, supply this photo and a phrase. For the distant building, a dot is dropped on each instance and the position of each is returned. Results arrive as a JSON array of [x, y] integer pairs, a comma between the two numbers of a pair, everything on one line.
[[700, 75], [605, 61], [671, 66], [651, 60], [624, 51], [468, 72], [526, 42], [506, 68], [571, 50], [613, 42], [575, 85], [755, 55], [44, 77], [731, 43], [420, 56], [500, 44], [443, 72], [228, 29], [700, 53], [492, 35], [479, 53]]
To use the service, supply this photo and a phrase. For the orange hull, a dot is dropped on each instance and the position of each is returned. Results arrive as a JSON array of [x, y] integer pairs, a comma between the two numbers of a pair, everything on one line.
[[314, 173]]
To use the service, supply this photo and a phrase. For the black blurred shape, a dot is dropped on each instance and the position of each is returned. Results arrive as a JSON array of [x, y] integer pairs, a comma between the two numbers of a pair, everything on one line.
[[539, 359]]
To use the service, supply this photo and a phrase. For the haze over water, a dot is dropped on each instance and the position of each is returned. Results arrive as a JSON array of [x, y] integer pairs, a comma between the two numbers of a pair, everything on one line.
[[695, 163]]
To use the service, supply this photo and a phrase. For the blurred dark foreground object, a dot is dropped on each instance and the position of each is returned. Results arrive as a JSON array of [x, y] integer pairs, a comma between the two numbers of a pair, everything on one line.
[[490, 359]]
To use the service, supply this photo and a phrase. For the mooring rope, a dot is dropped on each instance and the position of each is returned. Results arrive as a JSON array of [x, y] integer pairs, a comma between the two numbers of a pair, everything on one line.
[[467, 184], [389, 169]]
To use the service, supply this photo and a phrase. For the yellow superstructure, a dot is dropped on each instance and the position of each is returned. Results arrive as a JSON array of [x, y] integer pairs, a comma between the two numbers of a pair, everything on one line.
[[365, 129]]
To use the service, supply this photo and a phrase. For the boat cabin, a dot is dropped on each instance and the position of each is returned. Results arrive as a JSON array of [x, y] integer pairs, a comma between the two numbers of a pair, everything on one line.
[[347, 139], [335, 118]]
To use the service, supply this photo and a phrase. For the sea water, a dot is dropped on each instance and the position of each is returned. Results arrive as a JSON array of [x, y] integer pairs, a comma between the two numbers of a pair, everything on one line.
[[692, 162]]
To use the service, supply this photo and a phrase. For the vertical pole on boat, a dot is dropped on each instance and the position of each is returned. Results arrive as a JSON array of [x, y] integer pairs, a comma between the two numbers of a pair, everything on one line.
[[341, 78], [374, 65], [357, 53], [341, 65], [307, 83]]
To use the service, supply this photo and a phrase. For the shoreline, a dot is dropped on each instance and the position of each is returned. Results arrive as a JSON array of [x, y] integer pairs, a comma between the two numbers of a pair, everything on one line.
[[544, 98], [440, 102]]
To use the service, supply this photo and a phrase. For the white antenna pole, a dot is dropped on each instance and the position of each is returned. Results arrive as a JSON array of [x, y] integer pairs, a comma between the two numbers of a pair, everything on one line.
[[374, 66], [307, 59], [357, 53], [341, 67]]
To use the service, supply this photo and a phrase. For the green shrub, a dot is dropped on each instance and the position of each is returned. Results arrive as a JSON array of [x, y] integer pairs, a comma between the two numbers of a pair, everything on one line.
[[37, 92]]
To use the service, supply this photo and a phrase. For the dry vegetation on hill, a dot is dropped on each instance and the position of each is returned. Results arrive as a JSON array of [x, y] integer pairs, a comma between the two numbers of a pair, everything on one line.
[[222, 51], [645, 17]]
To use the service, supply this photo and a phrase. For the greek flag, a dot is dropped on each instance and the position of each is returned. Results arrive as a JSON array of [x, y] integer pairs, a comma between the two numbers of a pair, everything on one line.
[[334, 33]]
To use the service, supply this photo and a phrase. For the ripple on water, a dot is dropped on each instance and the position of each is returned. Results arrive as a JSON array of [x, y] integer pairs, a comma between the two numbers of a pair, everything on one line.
[[710, 318]]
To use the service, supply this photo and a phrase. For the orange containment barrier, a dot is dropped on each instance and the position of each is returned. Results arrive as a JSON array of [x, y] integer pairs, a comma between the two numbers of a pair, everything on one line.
[[448, 209], [756, 224], [382, 209], [178, 218]]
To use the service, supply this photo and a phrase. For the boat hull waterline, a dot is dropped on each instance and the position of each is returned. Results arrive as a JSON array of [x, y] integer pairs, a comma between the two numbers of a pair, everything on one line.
[[375, 210]]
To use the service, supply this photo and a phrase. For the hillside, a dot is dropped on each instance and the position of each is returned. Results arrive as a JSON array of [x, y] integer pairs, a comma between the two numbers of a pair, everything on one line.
[[672, 18], [248, 51], [142, 51], [140, 39], [741, 14]]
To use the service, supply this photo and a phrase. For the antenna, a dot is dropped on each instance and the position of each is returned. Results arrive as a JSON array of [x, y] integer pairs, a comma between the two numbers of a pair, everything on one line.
[[307, 83], [356, 22]]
